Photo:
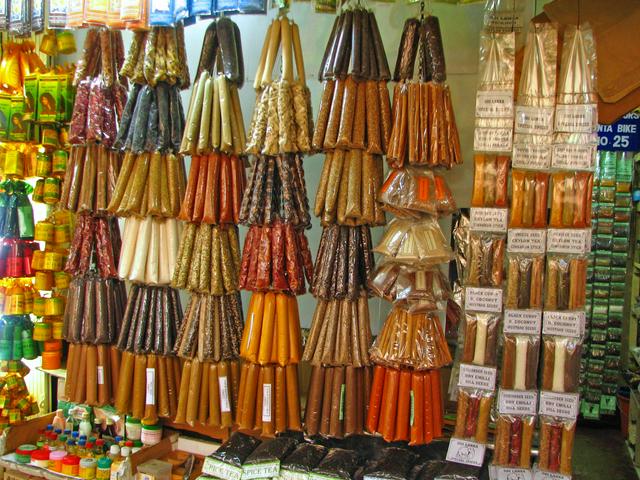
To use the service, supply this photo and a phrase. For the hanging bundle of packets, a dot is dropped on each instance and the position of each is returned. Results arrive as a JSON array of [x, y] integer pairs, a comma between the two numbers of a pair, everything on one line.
[[352, 129], [147, 192], [276, 257], [406, 402], [607, 275], [97, 297], [532, 153], [208, 261], [18, 293], [484, 246], [568, 244]]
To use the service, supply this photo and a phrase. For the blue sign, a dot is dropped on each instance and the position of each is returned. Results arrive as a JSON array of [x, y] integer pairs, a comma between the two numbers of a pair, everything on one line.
[[622, 136]]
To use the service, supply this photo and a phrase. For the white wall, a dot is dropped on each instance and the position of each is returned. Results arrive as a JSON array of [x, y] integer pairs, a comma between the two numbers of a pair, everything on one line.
[[460, 25]]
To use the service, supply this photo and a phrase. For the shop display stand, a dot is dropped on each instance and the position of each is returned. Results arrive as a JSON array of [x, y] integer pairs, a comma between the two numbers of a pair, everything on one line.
[[608, 295], [484, 247]]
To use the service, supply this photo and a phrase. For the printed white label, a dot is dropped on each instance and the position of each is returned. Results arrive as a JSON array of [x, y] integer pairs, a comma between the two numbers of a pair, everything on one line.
[[576, 118], [483, 299], [219, 469], [150, 397], [291, 475], [476, 376], [573, 157], [266, 402], [503, 20], [511, 473], [564, 324], [489, 219], [522, 322], [261, 470], [225, 404], [100, 375], [516, 402], [565, 240], [534, 120], [526, 240], [531, 156], [466, 452], [563, 405], [543, 475], [494, 104], [492, 139]]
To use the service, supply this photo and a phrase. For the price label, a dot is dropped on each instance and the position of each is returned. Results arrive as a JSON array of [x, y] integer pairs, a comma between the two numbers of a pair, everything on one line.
[[511, 473], [494, 104], [564, 405], [564, 324], [261, 470], [522, 322], [576, 118], [483, 299], [531, 156], [516, 402], [488, 219], [565, 240], [543, 475], [503, 21], [526, 240], [534, 120], [568, 156], [150, 397], [100, 375], [492, 139], [216, 468], [225, 404], [266, 402], [477, 376], [466, 452]]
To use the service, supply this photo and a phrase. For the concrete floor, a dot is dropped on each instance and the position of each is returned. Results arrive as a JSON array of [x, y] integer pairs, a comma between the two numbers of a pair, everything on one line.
[[601, 453]]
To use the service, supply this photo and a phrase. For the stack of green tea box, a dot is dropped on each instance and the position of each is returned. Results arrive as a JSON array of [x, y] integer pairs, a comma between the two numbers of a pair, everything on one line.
[[607, 282]]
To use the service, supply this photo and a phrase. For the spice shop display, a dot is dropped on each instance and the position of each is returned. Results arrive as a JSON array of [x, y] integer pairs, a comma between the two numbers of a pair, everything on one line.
[[276, 259], [208, 259], [483, 247], [405, 400], [352, 130], [148, 191]]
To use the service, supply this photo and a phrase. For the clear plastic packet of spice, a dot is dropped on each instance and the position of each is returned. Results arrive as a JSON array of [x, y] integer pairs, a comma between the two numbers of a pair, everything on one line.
[[473, 414], [481, 332], [525, 273], [485, 259], [514, 441], [556, 437], [412, 289], [561, 364], [520, 355]]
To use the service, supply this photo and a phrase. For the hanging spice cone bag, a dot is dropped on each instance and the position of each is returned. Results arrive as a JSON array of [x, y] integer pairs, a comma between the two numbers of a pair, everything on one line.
[[208, 261], [97, 297], [352, 130], [148, 192], [405, 402], [568, 245], [276, 257], [483, 246]]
